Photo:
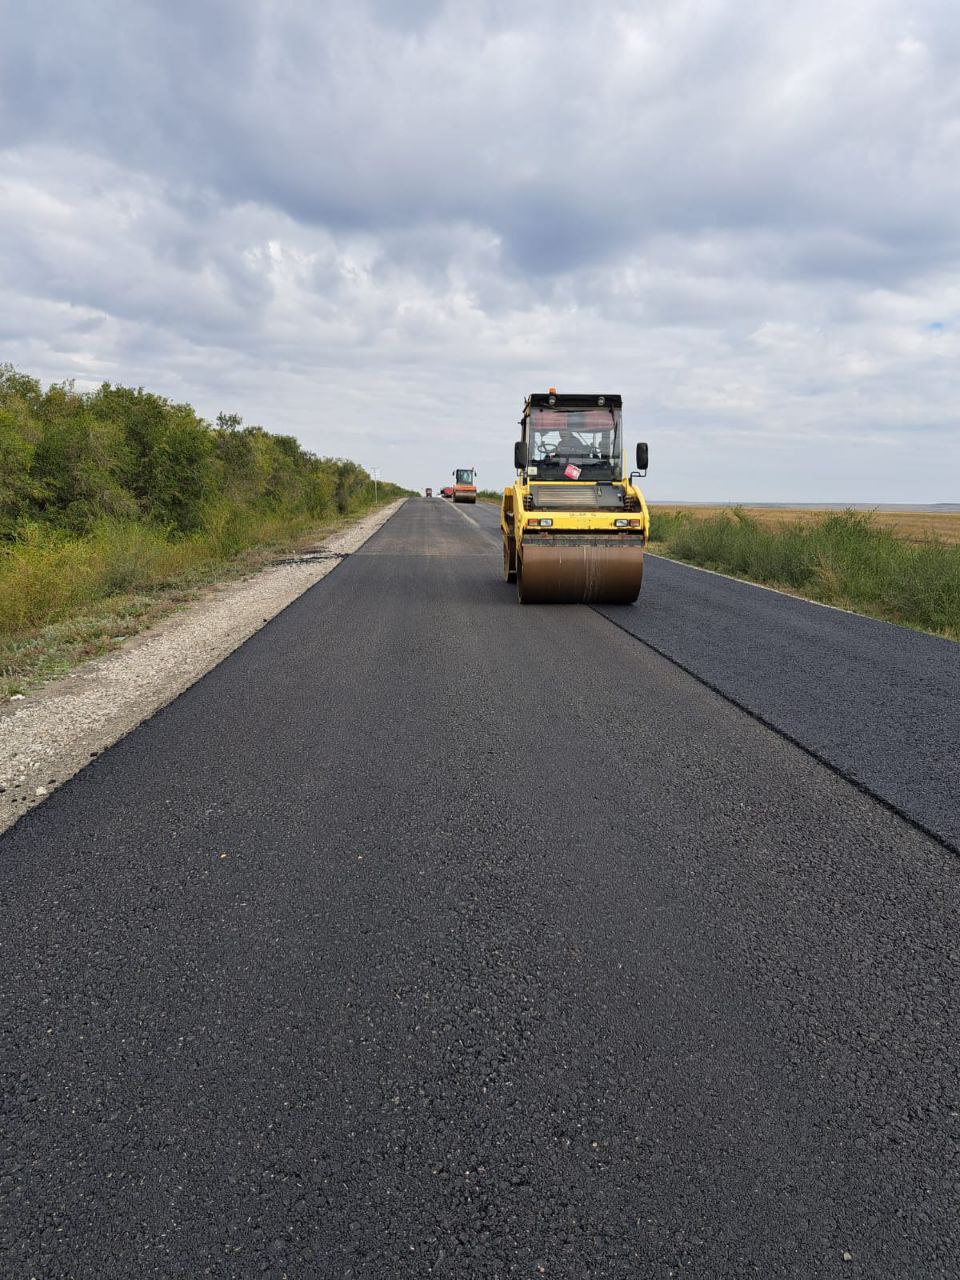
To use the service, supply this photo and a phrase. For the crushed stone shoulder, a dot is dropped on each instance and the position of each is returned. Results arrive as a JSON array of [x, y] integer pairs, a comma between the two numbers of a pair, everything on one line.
[[48, 736]]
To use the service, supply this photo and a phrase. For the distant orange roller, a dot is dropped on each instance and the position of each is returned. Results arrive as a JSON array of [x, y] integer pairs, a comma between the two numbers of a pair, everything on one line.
[[464, 487]]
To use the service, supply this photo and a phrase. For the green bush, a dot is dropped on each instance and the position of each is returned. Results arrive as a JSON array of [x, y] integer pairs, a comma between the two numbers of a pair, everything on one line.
[[120, 490]]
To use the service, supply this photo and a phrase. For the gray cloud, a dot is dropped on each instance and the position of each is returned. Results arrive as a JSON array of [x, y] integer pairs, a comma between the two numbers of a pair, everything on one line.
[[379, 225]]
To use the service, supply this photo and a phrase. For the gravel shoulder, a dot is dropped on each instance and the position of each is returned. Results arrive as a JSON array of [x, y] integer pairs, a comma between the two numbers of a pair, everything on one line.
[[52, 733]]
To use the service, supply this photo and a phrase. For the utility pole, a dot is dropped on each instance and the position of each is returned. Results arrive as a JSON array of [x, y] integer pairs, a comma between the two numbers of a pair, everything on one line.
[[375, 472]]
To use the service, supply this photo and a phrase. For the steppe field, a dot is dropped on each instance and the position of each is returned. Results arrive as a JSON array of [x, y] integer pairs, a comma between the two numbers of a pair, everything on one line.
[[914, 526]]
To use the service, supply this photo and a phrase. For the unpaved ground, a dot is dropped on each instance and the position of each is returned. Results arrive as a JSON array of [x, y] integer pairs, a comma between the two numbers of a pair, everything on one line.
[[49, 735]]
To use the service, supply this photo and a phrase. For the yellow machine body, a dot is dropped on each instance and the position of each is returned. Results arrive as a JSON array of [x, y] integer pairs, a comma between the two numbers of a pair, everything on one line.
[[574, 540]]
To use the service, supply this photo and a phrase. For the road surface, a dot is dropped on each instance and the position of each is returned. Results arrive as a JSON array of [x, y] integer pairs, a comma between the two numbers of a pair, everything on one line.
[[880, 704], [431, 935]]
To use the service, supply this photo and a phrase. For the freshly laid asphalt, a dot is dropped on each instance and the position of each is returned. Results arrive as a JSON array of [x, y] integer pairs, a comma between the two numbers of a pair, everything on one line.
[[879, 703], [430, 934]]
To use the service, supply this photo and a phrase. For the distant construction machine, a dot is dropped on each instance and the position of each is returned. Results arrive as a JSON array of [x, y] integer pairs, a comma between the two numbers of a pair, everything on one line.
[[574, 524], [464, 484]]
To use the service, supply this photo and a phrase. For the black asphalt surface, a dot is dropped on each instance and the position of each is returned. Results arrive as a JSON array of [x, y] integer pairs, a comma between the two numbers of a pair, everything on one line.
[[879, 703], [431, 935]]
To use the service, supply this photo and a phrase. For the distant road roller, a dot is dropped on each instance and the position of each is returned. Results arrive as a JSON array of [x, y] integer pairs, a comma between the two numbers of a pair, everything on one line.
[[574, 524], [464, 485]]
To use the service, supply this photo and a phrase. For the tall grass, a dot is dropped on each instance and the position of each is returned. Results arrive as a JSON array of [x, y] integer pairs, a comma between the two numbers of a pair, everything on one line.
[[65, 598], [46, 575], [846, 559]]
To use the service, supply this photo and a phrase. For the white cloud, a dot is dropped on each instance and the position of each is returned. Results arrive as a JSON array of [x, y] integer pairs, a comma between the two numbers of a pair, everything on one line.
[[379, 226]]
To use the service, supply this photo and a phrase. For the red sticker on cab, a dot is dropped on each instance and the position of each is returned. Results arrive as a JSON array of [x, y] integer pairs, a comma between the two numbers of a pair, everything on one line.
[[571, 472]]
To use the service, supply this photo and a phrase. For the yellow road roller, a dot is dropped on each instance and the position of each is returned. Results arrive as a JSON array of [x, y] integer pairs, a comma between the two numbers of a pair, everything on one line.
[[574, 524]]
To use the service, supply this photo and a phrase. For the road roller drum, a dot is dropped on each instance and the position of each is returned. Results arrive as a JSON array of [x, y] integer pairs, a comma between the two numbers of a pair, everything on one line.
[[565, 569]]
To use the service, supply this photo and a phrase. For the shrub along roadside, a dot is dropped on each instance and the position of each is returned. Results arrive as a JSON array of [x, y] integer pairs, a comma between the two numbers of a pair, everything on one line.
[[845, 559], [108, 498]]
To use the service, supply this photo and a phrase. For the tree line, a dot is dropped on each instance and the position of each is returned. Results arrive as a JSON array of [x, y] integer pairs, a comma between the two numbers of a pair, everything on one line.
[[70, 459]]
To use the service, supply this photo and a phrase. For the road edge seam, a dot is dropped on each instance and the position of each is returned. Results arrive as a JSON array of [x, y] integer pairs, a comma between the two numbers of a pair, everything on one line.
[[937, 837]]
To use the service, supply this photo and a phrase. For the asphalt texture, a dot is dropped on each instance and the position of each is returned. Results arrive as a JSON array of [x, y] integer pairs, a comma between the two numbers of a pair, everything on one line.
[[878, 702], [432, 935]]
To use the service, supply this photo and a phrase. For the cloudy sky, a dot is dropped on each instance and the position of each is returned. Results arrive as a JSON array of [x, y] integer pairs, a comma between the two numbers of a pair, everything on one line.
[[377, 224]]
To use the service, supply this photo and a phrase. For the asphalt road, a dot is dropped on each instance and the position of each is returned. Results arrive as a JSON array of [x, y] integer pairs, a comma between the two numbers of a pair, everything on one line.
[[879, 703], [434, 935]]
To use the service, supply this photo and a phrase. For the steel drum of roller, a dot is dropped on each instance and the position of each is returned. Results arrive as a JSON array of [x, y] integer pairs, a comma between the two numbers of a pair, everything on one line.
[[580, 569]]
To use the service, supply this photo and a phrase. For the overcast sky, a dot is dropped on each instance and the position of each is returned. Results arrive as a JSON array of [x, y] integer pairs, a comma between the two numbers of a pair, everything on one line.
[[378, 224]]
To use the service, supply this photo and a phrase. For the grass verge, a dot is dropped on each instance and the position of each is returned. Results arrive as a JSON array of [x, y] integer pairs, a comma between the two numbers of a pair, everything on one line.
[[844, 558], [66, 599]]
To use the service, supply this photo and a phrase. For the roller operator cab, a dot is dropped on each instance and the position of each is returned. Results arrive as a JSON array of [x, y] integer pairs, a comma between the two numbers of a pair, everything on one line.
[[574, 523], [464, 484]]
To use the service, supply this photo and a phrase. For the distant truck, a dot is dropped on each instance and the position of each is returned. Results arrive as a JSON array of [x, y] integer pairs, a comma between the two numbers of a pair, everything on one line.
[[464, 486], [429, 492]]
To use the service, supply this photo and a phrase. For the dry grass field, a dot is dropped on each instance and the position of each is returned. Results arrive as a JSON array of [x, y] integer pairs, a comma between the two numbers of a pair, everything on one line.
[[913, 526], [899, 565]]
